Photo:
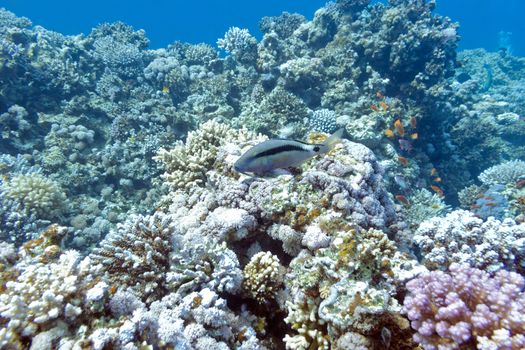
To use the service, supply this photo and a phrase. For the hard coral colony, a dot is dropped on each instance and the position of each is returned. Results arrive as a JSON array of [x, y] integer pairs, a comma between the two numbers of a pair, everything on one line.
[[125, 222]]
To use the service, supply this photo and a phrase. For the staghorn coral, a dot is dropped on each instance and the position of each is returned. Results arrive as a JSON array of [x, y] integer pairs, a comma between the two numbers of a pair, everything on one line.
[[467, 308], [136, 255], [263, 276], [461, 237]]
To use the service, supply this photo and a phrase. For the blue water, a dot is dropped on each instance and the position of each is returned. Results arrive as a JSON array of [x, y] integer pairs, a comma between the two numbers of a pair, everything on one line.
[[167, 21]]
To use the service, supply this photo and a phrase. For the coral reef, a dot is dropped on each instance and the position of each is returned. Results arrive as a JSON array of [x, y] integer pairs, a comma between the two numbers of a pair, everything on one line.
[[127, 154], [460, 237], [137, 255], [467, 308], [347, 288]]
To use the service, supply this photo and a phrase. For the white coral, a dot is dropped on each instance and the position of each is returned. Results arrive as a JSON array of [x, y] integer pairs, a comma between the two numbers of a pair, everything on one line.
[[503, 173], [462, 237]]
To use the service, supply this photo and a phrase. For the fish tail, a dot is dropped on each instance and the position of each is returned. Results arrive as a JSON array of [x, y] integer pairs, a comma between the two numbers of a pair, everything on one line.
[[334, 139]]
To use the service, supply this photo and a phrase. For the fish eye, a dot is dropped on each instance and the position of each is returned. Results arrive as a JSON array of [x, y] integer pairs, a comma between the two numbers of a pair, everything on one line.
[[316, 149]]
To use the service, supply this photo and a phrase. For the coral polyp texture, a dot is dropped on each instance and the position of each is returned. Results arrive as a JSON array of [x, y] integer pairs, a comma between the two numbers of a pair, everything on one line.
[[461, 237], [124, 224], [466, 308]]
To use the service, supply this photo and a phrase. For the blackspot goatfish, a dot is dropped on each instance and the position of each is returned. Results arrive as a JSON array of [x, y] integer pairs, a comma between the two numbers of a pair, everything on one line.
[[280, 153]]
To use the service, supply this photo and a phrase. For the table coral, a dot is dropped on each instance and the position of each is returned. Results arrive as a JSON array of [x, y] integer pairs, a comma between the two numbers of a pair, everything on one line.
[[467, 307]]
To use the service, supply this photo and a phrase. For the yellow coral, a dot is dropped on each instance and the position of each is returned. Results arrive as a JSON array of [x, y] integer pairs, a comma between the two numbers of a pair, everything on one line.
[[263, 276], [36, 193]]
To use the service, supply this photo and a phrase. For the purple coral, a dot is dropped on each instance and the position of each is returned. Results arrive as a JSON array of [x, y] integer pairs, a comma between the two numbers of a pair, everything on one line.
[[467, 307]]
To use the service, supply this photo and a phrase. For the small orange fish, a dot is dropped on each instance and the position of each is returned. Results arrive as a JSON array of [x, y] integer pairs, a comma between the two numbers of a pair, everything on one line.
[[399, 128], [438, 190], [413, 122], [389, 133], [374, 108], [475, 206], [165, 89], [520, 184], [437, 179], [490, 204], [383, 105], [414, 136], [402, 199], [379, 95], [489, 198], [433, 172], [403, 160]]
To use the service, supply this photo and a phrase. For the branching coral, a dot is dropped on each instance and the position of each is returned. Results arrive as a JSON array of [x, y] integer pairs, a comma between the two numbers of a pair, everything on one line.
[[263, 276], [424, 205], [45, 294], [137, 255], [187, 163], [323, 120], [507, 173], [461, 237], [467, 308], [36, 194]]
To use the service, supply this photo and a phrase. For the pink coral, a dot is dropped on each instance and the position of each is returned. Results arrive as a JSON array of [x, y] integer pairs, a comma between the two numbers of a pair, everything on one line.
[[467, 307]]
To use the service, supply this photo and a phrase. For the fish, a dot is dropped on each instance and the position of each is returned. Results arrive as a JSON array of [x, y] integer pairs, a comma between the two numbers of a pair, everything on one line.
[[413, 122], [269, 155], [414, 136], [399, 128], [403, 160], [389, 133], [374, 108], [433, 172], [400, 181], [383, 105], [520, 184], [438, 190], [405, 145], [402, 199]]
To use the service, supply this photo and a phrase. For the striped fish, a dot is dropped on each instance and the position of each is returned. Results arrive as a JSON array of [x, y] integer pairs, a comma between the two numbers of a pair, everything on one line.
[[278, 153]]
